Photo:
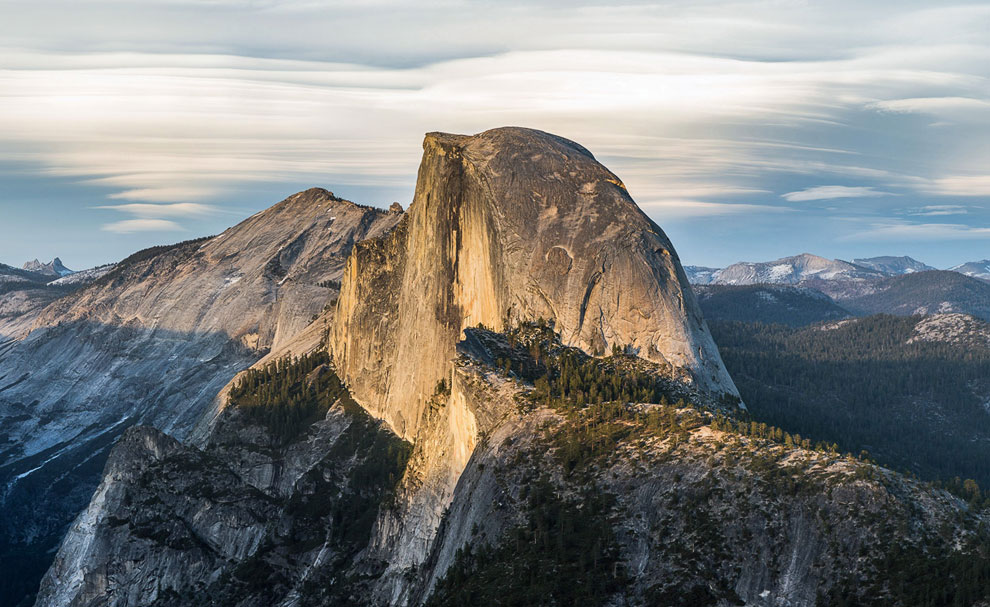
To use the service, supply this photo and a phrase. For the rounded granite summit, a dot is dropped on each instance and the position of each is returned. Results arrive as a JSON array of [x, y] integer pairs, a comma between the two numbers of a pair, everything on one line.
[[508, 225]]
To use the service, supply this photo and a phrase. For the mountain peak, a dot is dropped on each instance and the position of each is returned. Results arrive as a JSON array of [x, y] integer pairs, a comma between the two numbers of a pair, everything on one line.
[[976, 269], [890, 264], [52, 268], [502, 138], [786, 270], [505, 226]]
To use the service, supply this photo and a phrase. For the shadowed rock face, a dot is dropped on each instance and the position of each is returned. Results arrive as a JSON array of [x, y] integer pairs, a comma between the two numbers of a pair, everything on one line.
[[512, 224], [152, 342]]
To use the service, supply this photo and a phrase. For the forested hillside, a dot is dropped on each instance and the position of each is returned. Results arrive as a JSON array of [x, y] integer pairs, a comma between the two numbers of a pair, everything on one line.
[[914, 405], [923, 293], [782, 304]]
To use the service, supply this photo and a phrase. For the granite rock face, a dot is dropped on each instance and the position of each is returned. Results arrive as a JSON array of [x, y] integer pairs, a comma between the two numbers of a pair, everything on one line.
[[245, 521], [152, 342], [508, 225]]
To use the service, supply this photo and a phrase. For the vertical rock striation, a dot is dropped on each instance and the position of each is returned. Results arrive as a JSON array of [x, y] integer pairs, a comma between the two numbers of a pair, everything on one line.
[[508, 225], [512, 224]]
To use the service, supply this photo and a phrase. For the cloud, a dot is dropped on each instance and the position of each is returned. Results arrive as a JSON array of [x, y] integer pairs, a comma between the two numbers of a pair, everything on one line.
[[960, 185], [130, 226], [178, 209], [941, 209], [702, 108], [933, 105], [681, 209], [830, 192], [895, 231]]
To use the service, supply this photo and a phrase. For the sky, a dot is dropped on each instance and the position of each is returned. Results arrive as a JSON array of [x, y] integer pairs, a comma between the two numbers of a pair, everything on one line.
[[747, 130]]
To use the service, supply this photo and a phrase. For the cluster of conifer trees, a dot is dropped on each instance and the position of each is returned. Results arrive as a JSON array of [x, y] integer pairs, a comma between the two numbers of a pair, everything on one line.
[[287, 395], [565, 376], [564, 554]]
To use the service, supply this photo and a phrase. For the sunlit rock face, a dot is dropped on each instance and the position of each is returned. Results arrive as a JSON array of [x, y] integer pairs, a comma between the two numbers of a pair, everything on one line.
[[508, 225], [512, 224]]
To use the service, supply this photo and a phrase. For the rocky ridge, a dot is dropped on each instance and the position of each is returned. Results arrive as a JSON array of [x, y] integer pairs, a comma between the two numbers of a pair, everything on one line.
[[152, 342], [52, 268], [892, 265], [976, 269]]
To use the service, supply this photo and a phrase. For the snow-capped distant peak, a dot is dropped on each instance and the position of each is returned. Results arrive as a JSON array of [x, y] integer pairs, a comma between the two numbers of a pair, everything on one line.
[[790, 270], [976, 269], [893, 266]]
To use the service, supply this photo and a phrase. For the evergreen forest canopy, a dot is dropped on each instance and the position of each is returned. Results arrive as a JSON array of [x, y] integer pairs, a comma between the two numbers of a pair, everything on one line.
[[288, 395], [915, 407]]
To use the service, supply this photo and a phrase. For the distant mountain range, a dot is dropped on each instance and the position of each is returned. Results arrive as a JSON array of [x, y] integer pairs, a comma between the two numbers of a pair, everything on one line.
[[805, 289], [805, 267], [937, 292], [35, 274], [893, 265], [24, 292], [777, 304]]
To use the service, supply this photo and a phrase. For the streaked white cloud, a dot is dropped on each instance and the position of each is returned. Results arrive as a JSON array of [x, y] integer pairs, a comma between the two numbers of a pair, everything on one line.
[[130, 226], [681, 209], [171, 126], [704, 109], [831, 192], [960, 185], [934, 105], [940, 209], [178, 209], [936, 232]]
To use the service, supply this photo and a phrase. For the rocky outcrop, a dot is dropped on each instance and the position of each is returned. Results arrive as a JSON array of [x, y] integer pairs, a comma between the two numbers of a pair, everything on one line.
[[506, 226], [194, 536], [687, 508], [152, 342], [244, 521], [512, 224], [52, 268]]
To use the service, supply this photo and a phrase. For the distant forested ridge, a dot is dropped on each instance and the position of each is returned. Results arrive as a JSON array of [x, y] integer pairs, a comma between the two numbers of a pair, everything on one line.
[[914, 405]]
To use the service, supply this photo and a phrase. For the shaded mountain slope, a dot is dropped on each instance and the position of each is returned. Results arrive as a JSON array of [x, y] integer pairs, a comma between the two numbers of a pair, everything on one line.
[[924, 293], [603, 503], [787, 305], [912, 391], [152, 342]]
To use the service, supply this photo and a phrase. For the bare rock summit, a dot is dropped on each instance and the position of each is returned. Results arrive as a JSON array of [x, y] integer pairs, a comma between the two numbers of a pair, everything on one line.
[[512, 224]]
